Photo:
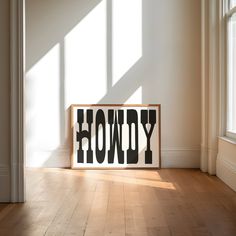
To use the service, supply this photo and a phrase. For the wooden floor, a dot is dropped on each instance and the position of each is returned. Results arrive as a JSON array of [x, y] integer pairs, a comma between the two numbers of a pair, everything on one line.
[[121, 202]]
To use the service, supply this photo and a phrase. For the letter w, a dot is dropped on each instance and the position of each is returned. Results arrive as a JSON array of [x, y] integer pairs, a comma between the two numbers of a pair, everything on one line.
[[116, 138]]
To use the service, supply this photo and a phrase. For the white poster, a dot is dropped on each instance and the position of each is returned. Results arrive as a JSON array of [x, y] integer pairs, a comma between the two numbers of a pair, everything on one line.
[[115, 136]]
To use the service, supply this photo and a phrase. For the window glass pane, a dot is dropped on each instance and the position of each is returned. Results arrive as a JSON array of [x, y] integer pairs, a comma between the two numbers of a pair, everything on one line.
[[232, 3], [232, 75]]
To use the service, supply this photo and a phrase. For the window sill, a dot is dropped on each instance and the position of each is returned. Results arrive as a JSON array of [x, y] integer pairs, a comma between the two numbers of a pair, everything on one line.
[[229, 140]]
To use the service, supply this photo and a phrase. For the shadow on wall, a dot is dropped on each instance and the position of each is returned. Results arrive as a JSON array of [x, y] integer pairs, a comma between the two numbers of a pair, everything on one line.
[[90, 52]]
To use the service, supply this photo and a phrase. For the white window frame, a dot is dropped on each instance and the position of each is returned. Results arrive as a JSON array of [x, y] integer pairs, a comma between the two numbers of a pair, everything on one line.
[[228, 14]]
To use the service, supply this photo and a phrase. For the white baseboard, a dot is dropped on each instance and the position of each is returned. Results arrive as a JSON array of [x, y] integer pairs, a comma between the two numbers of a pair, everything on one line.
[[226, 171], [170, 158], [180, 158], [59, 158], [4, 183]]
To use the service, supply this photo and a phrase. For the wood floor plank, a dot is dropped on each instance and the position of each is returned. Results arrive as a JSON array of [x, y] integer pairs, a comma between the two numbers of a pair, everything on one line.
[[115, 215], [167, 202]]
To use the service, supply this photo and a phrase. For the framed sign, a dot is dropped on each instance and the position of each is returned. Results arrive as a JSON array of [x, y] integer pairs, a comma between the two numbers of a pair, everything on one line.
[[115, 136]]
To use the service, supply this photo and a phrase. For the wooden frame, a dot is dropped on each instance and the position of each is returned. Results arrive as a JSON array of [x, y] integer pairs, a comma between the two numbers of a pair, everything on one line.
[[158, 132]]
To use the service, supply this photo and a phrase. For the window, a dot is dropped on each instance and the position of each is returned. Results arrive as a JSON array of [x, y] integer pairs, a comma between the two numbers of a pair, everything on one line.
[[232, 3], [231, 69]]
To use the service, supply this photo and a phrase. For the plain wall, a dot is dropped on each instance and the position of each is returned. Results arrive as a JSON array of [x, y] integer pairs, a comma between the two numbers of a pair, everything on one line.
[[153, 56], [4, 101]]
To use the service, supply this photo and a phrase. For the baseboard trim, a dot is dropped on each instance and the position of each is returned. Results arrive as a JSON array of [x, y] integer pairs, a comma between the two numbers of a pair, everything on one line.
[[4, 171], [5, 183], [226, 171], [59, 158], [180, 158], [170, 158]]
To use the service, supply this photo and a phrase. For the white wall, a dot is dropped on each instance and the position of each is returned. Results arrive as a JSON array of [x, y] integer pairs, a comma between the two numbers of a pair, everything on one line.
[[4, 101], [153, 56]]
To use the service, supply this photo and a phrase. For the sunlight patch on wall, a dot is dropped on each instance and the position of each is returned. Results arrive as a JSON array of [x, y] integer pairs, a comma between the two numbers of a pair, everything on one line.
[[42, 103], [85, 59], [135, 98], [127, 36]]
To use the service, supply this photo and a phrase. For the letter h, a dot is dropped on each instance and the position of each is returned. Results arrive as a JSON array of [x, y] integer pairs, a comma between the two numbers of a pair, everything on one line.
[[84, 134]]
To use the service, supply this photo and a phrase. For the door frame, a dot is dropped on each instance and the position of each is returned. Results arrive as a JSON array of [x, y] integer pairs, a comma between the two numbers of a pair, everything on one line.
[[17, 74]]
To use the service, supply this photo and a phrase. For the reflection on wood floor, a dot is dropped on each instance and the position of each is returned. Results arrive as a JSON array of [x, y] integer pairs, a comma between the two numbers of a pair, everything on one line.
[[121, 202]]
